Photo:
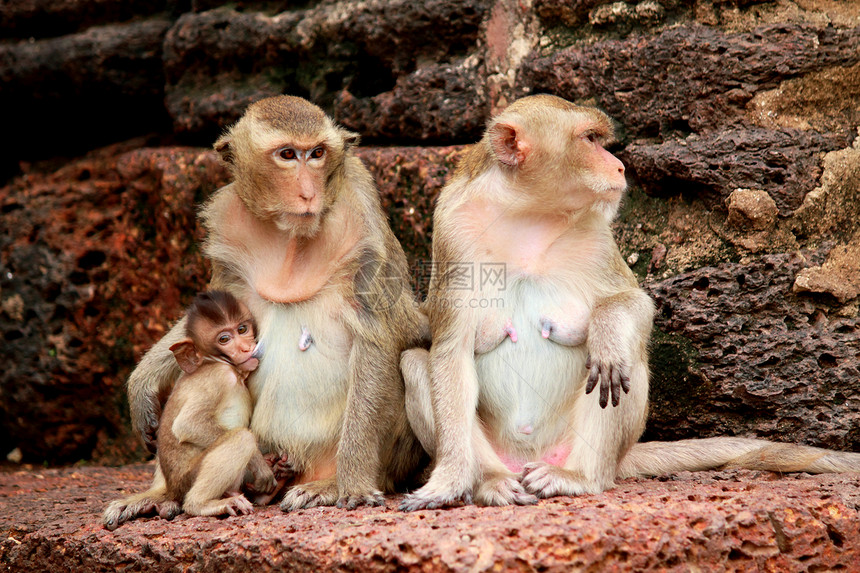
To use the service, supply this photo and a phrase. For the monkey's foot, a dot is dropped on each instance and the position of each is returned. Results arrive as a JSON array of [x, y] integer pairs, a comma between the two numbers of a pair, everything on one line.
[[237, 505], [306, 339], [429, 497], [169, 509], [311, 494], [503, 489], [546, 480], [372, 499], [263, 482], [118, 512]]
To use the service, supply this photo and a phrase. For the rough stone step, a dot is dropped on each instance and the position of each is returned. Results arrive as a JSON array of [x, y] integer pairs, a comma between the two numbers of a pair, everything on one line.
[[50, 520]]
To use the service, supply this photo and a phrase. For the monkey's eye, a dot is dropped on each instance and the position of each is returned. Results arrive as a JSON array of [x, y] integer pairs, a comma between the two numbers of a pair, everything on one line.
[[243, 328], [287, 153], [318, 152], [591, 137], [223, 338]]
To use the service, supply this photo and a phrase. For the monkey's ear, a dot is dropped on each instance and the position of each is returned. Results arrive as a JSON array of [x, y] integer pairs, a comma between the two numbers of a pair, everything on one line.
[[509, 144], [350, 139], [186, 355], [224, 147]]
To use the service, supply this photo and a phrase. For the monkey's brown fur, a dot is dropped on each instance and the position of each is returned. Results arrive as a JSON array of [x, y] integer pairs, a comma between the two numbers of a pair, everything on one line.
[[300, 237], [205, 449], [502, 399]]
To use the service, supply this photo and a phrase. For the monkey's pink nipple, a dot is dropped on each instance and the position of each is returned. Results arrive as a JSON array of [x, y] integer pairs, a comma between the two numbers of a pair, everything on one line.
[[546, 328], [511, 331], [258, 350], [526, 429]]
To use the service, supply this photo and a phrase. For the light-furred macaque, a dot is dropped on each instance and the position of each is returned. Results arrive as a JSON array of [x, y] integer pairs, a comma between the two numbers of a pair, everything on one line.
[[299, 237], [205, 450], [531, 308]]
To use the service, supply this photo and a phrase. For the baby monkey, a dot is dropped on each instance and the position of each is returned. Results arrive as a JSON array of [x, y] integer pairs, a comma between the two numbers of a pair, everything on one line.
[[205, 450]]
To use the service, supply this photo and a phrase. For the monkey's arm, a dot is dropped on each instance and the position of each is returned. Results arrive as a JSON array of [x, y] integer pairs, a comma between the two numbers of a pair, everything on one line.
[[375, 390], [369, 415], [617, 336], [196, 422], [150, 384]]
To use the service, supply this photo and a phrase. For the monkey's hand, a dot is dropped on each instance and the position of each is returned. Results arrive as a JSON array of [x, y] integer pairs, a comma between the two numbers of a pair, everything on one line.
[[148, 425], [612, 376], [281, 466]]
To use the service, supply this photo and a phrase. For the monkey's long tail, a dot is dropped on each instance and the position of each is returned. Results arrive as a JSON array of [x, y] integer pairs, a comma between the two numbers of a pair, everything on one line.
[[658, 458]]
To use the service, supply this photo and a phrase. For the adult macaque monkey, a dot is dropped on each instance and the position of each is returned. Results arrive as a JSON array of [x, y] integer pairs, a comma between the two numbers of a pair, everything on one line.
[[205, 448], [531, 308], [300, 238]]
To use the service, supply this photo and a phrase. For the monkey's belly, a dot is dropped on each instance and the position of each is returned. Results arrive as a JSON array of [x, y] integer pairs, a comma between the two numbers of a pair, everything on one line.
[[300, 387], [528, 383]]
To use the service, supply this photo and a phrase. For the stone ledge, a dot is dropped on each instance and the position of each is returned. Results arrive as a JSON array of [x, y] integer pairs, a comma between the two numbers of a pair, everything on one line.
[[736, 520]]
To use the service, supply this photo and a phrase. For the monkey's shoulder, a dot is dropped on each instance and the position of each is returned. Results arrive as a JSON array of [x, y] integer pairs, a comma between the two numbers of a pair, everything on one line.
[[210, 381]]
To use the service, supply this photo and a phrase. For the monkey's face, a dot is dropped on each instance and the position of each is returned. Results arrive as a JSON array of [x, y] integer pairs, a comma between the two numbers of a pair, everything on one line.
[[300, 175], [559, 155], [597, 172], [234, 342], [284, 155]]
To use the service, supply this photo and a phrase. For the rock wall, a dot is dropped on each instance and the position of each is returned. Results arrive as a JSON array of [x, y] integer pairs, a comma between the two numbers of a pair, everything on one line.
[[738, 120]]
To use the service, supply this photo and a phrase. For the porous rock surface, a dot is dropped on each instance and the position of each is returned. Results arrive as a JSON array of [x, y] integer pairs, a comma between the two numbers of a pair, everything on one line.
[[712, 521]]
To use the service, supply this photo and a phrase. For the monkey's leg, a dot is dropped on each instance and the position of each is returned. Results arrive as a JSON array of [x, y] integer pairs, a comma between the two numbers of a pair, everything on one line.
[[599, 439], [454, 391], [122, 510], [419, 403], [222, 470], [495, 484]]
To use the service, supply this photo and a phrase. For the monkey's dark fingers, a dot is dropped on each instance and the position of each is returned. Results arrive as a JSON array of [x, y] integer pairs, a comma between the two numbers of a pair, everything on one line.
[[615, 385], [150, 437], [593, 378], [625, 383], [604, 389], [148, 425]]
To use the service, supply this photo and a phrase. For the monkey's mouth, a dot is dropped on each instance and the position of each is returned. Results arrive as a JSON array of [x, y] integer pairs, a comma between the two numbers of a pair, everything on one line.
[[249, 365]]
